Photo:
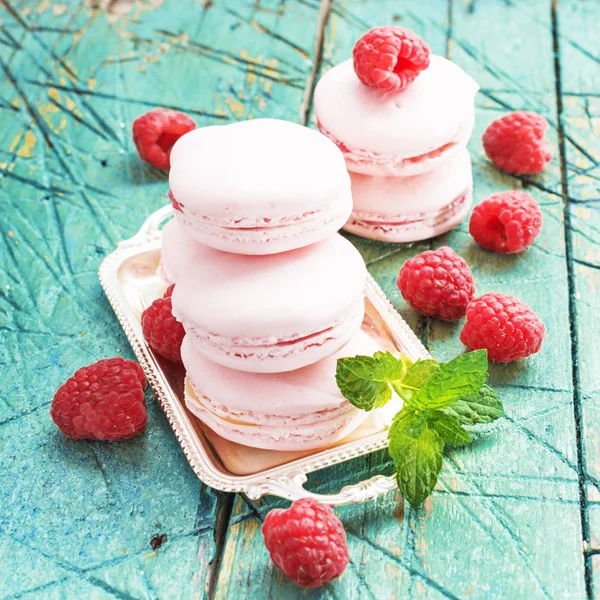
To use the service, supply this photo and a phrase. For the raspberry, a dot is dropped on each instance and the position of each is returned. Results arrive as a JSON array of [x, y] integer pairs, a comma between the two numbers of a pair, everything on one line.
[[162, 331], [516, 144], [506, 222], [103, 401], [307, 542], [169, 291], [176, 205], [155, 133], [503, 325], [390, 58], [437, 283]]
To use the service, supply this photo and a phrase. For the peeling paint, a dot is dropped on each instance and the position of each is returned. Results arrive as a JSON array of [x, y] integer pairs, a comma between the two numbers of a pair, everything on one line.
[[29, 142], [43, 6], [235, 106], [15, 141]]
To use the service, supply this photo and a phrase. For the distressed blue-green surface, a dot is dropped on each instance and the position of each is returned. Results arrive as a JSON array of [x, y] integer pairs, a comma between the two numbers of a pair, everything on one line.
[[516, 515]]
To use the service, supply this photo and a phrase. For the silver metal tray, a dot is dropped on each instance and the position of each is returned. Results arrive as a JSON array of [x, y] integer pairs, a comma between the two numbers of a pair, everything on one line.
[[129, 278]]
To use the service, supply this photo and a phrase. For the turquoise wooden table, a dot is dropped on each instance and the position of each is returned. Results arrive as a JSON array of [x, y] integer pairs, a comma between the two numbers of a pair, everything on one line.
[[515, 515]]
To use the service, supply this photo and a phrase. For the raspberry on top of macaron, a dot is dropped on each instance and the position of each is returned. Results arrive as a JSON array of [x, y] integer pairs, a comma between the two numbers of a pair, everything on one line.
[[390, 58], [395, 109]]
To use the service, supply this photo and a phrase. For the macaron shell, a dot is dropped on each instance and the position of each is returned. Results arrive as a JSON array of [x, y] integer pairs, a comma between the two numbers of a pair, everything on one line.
[[278, 355], [437, 109], [261, 169], [280, 395], [393, 196], [178, 251], [270, 298], [288, 411], [424, 227], [275, 438]]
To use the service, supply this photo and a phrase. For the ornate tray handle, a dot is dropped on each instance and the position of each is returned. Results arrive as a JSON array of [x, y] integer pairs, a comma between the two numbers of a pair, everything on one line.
[[292, 488]]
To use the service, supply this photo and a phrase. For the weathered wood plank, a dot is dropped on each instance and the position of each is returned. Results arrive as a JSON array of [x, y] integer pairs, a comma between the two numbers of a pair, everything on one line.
[[489, 531], [580, 78], [77, 518]]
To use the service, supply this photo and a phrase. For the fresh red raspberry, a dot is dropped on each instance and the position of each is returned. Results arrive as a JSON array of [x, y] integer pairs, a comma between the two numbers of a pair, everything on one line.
[[390, 58], [307, 542], [507, 222], [155, 133], [516, 144], [162, 331], [504, 326], [103, 401], [176, 205], [169, 291], [437, 283]]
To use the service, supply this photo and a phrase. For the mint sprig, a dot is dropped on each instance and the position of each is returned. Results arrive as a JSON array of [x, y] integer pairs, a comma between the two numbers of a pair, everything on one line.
[[440, 400]]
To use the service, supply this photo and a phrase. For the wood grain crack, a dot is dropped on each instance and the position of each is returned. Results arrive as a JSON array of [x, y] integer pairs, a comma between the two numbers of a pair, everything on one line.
[[311, 82], [577, 408]]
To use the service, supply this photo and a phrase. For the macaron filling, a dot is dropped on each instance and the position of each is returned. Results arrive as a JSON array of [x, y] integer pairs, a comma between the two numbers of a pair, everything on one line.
[[414, 220], [302, 227], [326, 429], [252, 222], [254, 418], [266, 348], [364, 160], [202, 229]]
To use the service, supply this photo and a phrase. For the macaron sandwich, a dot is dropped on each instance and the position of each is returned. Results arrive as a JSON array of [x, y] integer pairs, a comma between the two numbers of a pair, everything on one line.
[[402, 119]]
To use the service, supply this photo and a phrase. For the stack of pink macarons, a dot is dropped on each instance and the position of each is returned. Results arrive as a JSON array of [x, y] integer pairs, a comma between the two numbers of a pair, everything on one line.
[[268, 293], [402, 119]]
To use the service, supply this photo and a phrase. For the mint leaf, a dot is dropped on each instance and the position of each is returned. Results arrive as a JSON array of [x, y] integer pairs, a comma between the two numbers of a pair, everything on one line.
[[402, 417], [462, 375], [363, 380], [483, 406], [449, 428], [415, 377], [417, 462], [410, 421], [386, 367]]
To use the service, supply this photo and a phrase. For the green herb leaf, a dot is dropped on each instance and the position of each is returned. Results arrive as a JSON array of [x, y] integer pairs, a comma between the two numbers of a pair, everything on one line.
[[415, 378], [463, 375], [402, 417], [417, 462], [410, 421], [449, 428], [482, 406], [439, 401], [363, 380]]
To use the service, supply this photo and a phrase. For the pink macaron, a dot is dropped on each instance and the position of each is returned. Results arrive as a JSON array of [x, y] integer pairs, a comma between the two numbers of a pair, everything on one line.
[[401, 133], [274, 313], [259, 187], [408, 209], [179, 250], [297, 410]]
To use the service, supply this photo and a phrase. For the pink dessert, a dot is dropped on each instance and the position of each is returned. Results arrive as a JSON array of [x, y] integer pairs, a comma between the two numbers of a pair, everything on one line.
[[259, 187], [272, 313], [179, 250], [407, 209], [297, 410], [400, 133]]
